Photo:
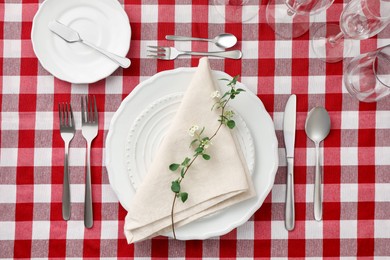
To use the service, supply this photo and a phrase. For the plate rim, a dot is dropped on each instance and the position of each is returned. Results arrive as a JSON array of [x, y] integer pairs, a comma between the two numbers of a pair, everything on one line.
[[241, 220], [37, 15]]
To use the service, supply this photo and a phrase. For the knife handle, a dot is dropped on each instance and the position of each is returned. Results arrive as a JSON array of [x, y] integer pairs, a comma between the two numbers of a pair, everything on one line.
[[290, 207], [121, 61]]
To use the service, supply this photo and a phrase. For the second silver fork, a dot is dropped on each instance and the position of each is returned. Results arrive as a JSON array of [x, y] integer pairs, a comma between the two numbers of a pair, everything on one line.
[[89, 130]]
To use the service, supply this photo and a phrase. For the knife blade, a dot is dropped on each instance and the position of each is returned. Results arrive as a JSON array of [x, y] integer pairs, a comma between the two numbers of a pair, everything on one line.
[[71, 36], [289, 126], [64, 31]]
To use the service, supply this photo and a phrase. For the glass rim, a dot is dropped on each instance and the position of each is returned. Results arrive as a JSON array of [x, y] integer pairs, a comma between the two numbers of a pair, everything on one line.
[[374, 67], [382, 18], [322, 8]]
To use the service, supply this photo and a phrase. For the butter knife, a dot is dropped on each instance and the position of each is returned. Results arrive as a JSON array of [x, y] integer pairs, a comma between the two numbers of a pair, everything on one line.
[[289, 124], [71, 36]]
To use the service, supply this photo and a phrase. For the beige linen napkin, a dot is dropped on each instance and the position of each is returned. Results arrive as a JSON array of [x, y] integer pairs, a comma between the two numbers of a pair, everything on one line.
[[212, 185]]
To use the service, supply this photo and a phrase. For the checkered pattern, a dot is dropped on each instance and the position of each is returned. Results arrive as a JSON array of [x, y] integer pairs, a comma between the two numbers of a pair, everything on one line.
[[356, 220]]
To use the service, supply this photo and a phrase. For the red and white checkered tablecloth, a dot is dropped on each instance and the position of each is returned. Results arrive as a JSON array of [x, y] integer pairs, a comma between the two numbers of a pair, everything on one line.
[[356, 218]]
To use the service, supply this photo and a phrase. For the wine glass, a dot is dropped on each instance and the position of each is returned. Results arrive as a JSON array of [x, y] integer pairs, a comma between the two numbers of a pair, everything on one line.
[[367, 76], [360, 19], [291, 18], [237, 10]]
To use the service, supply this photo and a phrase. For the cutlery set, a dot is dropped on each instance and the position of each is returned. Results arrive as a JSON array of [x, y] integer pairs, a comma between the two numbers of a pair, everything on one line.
[[224, 40], [317, 124], [89, 130], [317, 127]]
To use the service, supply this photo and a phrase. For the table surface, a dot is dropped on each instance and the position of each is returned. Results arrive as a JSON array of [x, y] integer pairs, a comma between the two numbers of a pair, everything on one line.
[[356, 218]]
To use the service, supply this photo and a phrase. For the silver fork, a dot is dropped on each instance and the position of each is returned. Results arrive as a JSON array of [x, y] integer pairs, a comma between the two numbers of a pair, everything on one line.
[[171, 53], [67, 130], [89, 129]]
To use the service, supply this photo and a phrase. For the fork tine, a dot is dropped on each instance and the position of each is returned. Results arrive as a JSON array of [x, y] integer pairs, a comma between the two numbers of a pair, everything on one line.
[[162, 57], [96, 112], [71, 121], [59, 113], [66, 114], [90, 115], [158, 52], [156, 47], [82, 110]]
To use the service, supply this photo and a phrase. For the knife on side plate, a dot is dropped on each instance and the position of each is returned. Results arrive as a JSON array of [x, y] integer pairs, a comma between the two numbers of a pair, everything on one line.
[[71, 36], [289, 124]]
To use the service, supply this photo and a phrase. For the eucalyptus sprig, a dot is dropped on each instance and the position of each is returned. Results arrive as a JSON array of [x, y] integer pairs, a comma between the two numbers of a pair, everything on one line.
[[200, 143]]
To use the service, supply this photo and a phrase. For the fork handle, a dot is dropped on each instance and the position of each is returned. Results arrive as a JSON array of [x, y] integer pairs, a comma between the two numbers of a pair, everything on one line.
[[236, 54], [88, 211], [66, 187]]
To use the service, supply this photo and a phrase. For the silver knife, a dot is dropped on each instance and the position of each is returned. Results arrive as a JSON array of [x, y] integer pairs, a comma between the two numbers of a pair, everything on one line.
[[72, 36], [289, 124]]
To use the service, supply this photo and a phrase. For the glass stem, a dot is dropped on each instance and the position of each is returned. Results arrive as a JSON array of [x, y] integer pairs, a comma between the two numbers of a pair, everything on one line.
[[291, 11], [334, 39]]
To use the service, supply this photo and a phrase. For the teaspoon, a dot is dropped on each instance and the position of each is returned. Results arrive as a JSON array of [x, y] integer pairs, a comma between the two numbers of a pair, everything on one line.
[[224, 40], [317, 127]]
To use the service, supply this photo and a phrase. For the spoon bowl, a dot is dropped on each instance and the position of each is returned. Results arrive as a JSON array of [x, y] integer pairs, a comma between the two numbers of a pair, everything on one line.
[[225, 40], [317, 128], [317, 125]]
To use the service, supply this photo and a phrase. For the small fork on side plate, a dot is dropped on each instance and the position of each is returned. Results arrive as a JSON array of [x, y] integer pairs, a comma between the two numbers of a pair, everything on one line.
[[89, 130], [67, 130], [171, 53]]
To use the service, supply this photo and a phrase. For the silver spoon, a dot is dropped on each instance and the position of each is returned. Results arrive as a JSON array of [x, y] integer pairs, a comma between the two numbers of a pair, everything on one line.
[[224, 40], [317, 127]]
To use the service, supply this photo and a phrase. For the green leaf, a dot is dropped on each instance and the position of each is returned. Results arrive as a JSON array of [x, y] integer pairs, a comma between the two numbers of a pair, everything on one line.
[[201, 132], [206, 156], [183, 196], [226, 94], [186, 161], [234, 80], [199, 150], [240, 90], [175, 187], [232, 96], [174, 166], [182, 172], [231, 124], [193, 142]]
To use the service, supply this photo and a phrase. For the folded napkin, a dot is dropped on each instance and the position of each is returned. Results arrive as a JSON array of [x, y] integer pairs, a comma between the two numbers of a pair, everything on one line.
[[212, 185]]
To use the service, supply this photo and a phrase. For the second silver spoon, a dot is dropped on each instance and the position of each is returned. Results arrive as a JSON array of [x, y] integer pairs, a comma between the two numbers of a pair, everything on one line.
[[317, 127], [224, 40]]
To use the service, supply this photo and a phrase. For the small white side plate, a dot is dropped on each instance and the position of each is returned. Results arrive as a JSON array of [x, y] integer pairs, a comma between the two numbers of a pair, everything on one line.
[[102, 22]]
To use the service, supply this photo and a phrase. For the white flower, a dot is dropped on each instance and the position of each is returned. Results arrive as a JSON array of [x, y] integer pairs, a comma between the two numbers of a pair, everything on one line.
[[206, 143], [192, 130], [229, 114], [215, 94]]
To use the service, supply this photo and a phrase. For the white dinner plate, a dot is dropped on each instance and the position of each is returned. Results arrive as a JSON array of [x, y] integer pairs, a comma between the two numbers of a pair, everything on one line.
[[250, 109], [148, 131], [101, 22]]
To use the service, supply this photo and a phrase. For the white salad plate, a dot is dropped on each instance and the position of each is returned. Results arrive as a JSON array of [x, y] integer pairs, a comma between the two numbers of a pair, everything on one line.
[[252, 118], [101, 22]]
